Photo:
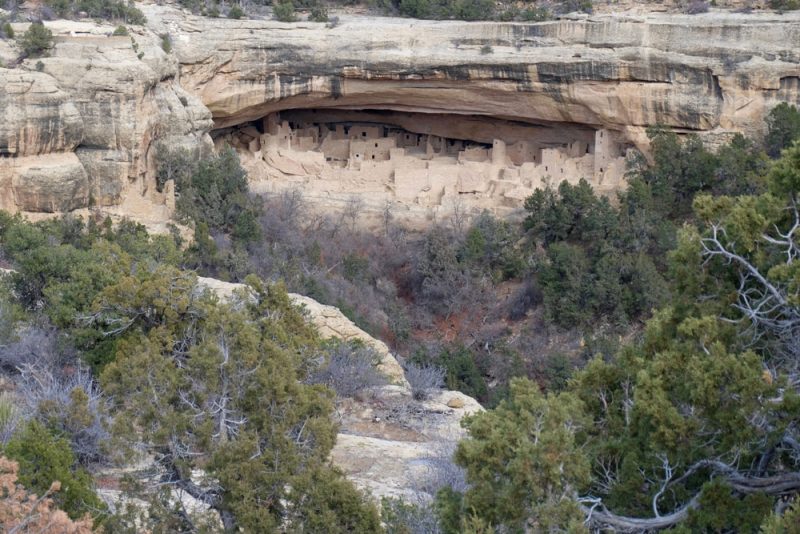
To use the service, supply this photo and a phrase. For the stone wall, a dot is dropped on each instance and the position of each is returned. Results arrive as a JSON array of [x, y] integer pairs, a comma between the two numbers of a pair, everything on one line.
[[421, 174]]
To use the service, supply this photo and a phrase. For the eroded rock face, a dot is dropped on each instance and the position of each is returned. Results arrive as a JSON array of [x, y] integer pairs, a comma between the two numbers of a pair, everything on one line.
[[330, 322], [50, 183], [111, 100], [713, 74], [709, 72], [81, 127]]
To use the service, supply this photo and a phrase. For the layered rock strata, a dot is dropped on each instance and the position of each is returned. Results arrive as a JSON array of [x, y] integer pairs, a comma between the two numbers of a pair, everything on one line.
[[709, 72], [88, 119], [81, 127]]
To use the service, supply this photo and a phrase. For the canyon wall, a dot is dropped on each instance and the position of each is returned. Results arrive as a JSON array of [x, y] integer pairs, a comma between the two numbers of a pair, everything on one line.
[[81, 128], [706, 73]]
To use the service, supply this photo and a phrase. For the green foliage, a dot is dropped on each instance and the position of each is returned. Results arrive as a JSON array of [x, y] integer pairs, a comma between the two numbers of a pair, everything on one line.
[[319, 13], [121, 31], [327, 502], [174, 164], [194, 6], [166, 43], [523, 460], [9, 415], [355, 267], [216, 193], [62, 265], [215, 182], [483, 9], [472, 9], [447, 9], [284, 11], [462, 373], [595, 265], [235, 12], [788, 523], [536, 14], [741, 167], [420, 9], [6, 31], [679, 417], [36, 40], [573, 213], [197, 350], [117, 10], [681, 169], [460, 368], [490, 246], [401, 517], [742, 514], [43, 459], [440, 275], [784, 5], [783, 127]]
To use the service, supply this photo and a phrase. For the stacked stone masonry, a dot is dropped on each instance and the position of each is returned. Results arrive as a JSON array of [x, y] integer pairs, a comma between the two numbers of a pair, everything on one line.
[[343, 153]]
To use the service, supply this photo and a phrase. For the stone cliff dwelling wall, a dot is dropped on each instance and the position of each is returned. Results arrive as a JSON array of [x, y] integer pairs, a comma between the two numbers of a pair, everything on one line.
[[423, 163]]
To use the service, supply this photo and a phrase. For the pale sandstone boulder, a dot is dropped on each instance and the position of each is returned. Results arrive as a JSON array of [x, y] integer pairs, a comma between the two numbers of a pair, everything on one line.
[[49, 183], [330, 322]]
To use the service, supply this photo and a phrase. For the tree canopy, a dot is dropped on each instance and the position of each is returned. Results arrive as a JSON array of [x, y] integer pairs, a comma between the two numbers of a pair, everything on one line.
[[692, 427]]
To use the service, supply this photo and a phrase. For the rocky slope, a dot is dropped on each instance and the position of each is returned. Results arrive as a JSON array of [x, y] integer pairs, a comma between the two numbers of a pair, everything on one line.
[[388, 442], [81, 128]]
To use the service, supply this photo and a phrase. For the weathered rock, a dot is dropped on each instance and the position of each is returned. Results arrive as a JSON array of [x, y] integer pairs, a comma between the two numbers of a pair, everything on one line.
[[330, 322], [49, 183], [111, 100], [97, 98], [38, 116], [396, 447], [456, 402], [691, 72]]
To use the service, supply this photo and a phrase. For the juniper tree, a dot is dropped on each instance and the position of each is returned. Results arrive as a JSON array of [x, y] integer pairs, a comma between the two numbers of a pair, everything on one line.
[[219, 386], [694, 426]]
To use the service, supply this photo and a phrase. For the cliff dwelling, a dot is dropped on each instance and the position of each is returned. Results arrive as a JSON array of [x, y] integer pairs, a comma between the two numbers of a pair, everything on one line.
[[421, 163]]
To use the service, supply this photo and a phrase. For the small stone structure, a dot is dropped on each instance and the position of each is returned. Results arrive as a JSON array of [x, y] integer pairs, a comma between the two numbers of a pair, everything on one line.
[[385, 163]]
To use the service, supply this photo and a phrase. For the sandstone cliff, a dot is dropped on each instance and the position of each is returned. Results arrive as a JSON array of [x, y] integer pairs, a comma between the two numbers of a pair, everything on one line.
[[82, 130], [709, 72]]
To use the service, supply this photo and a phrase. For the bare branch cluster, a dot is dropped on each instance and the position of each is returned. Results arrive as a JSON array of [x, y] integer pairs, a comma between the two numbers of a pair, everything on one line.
[[347, 370], [423, 379], [767, 305]]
